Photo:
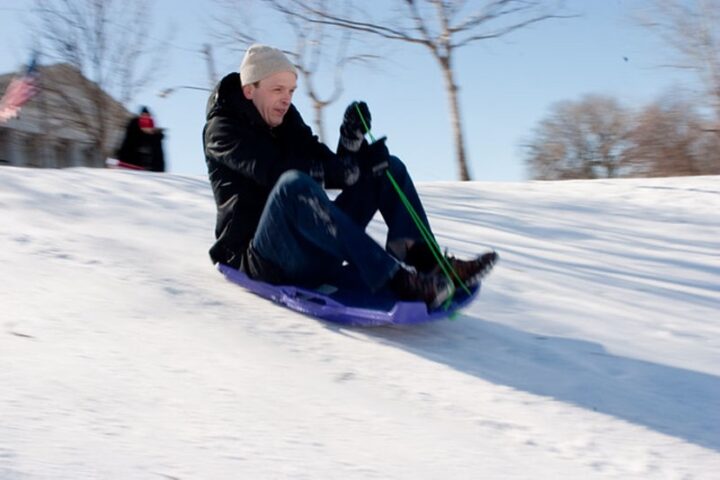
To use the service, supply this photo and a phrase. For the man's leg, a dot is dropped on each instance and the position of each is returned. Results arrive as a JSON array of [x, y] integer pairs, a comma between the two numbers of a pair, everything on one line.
[[404, 240], [372, 194], [307, 237]]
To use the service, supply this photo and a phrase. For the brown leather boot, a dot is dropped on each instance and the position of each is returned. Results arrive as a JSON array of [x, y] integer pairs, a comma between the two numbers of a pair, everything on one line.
[[409, 284]]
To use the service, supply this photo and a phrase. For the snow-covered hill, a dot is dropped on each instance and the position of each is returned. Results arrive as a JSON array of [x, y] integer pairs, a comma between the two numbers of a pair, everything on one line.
[[593, 351]]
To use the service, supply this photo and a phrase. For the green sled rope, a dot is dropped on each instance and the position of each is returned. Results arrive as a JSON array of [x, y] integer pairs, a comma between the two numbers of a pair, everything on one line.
[[443, 262]]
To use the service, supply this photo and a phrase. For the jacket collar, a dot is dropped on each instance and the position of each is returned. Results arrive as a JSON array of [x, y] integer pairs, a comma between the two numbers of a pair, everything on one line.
[[227, 99]]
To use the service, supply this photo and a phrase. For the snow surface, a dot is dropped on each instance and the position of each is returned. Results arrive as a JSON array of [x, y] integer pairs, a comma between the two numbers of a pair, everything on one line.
[[592, 352]]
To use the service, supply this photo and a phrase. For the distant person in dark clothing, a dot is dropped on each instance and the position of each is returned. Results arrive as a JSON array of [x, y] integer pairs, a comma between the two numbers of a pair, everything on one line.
[[142, 145]]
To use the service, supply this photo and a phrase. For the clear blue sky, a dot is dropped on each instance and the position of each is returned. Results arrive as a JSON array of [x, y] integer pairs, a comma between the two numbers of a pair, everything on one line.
[[506, 85]]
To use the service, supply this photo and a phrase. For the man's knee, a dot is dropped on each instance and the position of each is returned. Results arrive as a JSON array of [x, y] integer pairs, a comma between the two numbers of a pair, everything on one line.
[[293, 182], [396, 166], [292, 178]]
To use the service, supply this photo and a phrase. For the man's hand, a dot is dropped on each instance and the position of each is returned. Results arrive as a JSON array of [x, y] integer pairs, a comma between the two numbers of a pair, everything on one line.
[[350, 170], [356, 123], [317, 172], [375, 158]]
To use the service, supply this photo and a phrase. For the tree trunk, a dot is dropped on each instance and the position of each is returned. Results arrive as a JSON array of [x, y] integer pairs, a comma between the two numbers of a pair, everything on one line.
[[319, 126], [99, 126], [452, 90]]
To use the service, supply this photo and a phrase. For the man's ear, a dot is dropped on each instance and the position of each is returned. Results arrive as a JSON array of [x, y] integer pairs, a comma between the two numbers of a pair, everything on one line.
[[248, 91]]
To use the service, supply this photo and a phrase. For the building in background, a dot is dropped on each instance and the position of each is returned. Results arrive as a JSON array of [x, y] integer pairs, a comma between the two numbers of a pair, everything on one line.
[[69, 122]]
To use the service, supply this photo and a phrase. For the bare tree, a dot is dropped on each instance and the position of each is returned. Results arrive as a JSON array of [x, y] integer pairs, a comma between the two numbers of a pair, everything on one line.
[[317, 48], [108, 42], [442, 27], [207, 52], [669, 140], [692, 29], [596, 137], [584, 139]]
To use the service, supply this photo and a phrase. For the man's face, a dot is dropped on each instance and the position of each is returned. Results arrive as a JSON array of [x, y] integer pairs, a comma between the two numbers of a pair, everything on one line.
[[272, 96]]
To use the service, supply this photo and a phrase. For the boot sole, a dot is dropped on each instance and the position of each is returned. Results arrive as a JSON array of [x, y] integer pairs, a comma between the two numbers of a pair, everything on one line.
[[442, 296]]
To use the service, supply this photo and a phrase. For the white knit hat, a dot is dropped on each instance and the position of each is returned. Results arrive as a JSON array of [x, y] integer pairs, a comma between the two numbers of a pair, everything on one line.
[[261, 61]]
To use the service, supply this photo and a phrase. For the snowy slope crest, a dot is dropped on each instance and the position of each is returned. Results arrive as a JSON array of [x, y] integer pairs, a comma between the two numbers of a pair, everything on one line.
[[593, 351]]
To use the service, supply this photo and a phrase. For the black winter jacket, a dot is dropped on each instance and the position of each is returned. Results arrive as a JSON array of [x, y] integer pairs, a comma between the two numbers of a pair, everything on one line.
[[245, 158]]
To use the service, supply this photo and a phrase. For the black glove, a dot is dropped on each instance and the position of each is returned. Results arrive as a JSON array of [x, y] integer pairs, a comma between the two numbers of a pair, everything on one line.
[[350, 170], [317, 172], [374, 159], [353, 130]]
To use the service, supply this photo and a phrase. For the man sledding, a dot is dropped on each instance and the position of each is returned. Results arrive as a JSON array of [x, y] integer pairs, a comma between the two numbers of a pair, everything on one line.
[[275, 221]]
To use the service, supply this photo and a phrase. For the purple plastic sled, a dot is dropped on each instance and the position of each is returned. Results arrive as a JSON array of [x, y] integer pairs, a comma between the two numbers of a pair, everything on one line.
[[349, 303]]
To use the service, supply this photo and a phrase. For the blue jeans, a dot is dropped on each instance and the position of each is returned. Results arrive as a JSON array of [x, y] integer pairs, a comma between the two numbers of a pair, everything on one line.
[[307, 236]]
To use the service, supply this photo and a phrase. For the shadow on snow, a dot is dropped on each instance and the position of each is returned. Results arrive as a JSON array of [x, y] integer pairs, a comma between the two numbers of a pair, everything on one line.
[[673, 401]]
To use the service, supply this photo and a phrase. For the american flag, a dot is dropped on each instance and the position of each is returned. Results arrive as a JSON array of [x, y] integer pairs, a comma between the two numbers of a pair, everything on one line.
[[19, 91]]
